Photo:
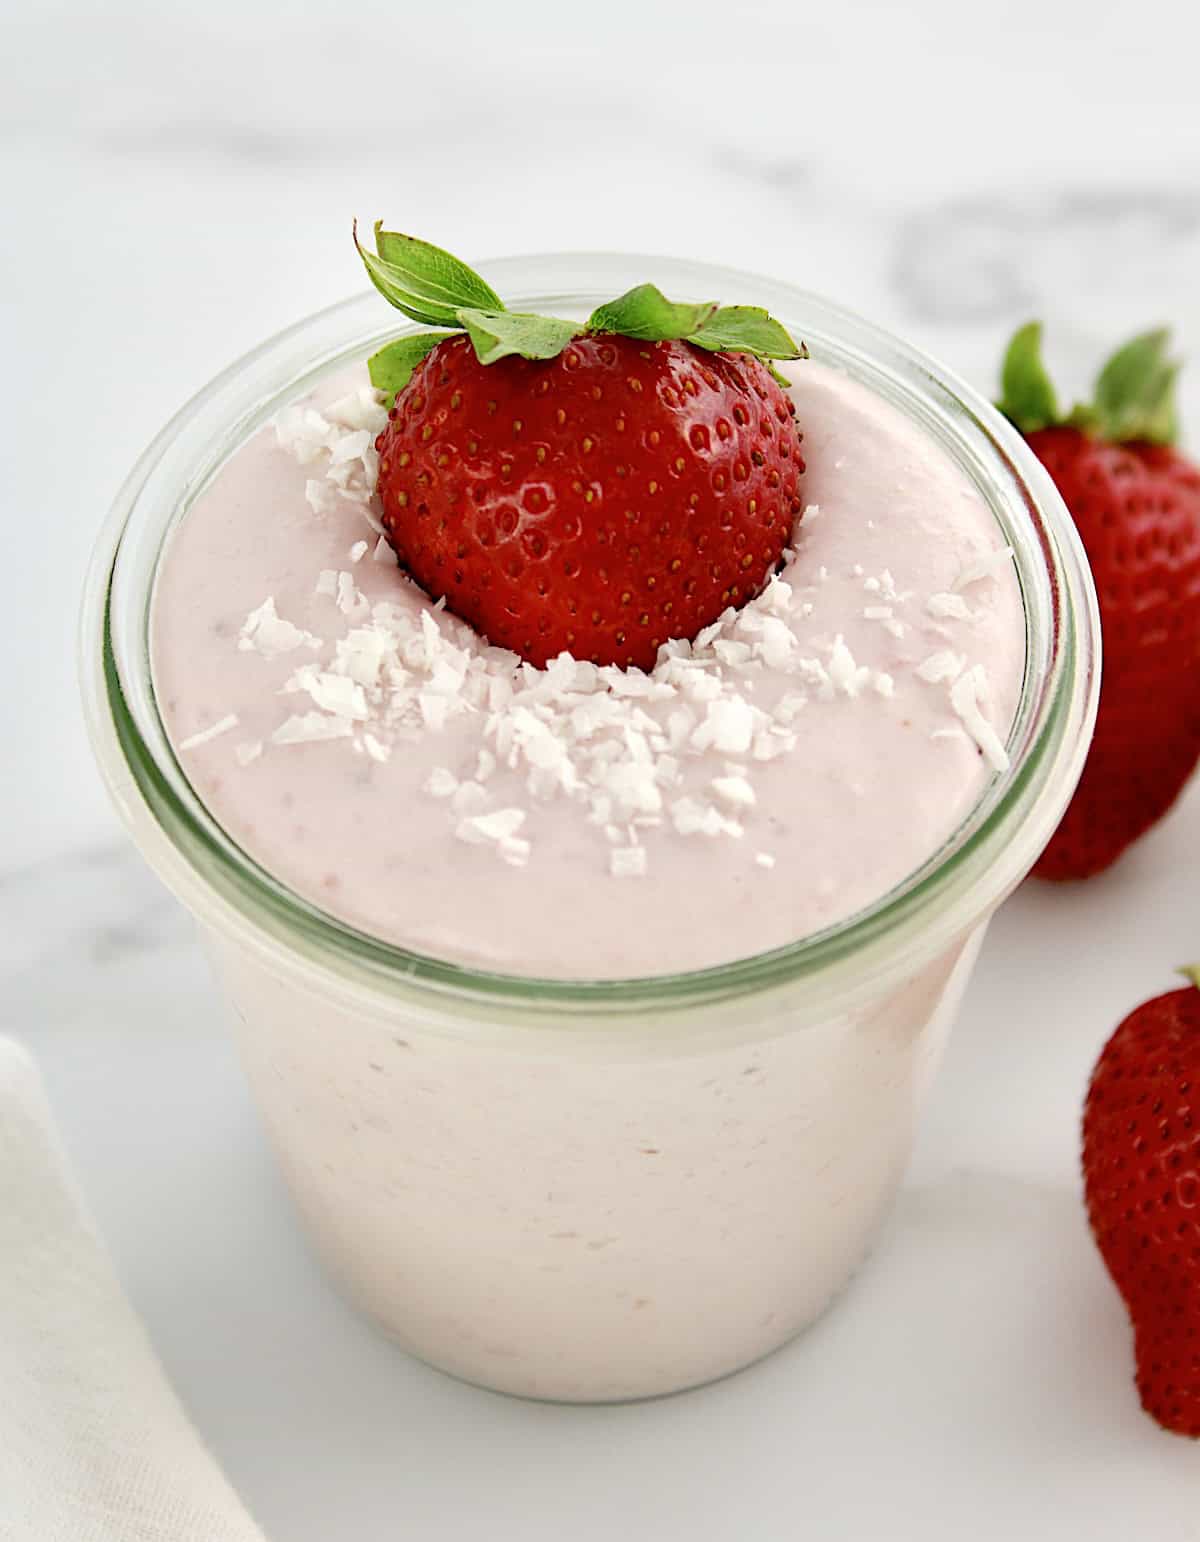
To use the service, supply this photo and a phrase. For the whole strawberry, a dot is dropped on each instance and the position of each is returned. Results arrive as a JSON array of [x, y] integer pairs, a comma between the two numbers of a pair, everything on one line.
[[1141, 1168], [593, 489], [1135, 500]]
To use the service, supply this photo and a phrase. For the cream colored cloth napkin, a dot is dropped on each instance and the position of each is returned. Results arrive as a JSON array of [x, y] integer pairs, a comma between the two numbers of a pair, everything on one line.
[[94, 1446]]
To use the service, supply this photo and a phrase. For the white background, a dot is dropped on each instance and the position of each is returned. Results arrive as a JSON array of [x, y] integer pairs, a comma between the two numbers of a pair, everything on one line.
[[177, 182]]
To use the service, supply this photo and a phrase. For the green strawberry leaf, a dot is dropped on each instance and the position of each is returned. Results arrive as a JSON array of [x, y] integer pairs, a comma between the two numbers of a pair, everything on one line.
[[436, 289], [426, 283], [747, 329], [496, 334], [433, 273], [1027, 396], [391, 368], [1135, 391], [392, 285], [646, 313]]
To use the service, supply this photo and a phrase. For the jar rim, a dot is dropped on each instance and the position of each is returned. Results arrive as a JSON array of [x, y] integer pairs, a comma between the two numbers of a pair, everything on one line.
[[980, 862]]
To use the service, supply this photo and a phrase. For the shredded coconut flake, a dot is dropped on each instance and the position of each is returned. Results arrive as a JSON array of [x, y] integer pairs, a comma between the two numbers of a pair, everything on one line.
[[360, 409], [435, 710], [845, 675], [943, 665], [965, 696], [350, 600], [732, 653], [469, 798], [734, 790], [265, 632], [948, 607], [514, 850], [311, 728], [321, 495], [500, 825], [441, 783], [336, 694], [213, 731], [691, 817], [339, 444], [728, 727], [777, 596], [989, 566]]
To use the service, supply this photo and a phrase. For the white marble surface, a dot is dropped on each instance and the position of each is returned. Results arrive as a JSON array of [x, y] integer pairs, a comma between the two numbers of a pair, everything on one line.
[[178, 182]]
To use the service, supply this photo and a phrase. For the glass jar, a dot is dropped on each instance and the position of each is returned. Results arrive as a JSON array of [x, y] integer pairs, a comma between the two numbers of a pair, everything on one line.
[[593, 1190]]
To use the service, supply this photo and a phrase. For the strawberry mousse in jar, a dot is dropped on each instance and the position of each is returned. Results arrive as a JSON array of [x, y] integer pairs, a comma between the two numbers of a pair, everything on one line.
[[592, 716]]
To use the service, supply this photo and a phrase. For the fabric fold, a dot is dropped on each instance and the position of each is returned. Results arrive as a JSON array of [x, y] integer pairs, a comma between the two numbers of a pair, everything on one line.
[[94, 1444]]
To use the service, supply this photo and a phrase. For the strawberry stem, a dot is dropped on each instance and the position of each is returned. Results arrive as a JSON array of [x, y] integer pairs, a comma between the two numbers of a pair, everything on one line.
[[1191, 972], [1133, 398], [1027, 398], [437, 289]]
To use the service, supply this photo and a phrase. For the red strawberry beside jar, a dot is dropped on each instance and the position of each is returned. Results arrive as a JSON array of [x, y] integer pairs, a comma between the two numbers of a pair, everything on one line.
[[1141, 1168], [1135, 499]]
